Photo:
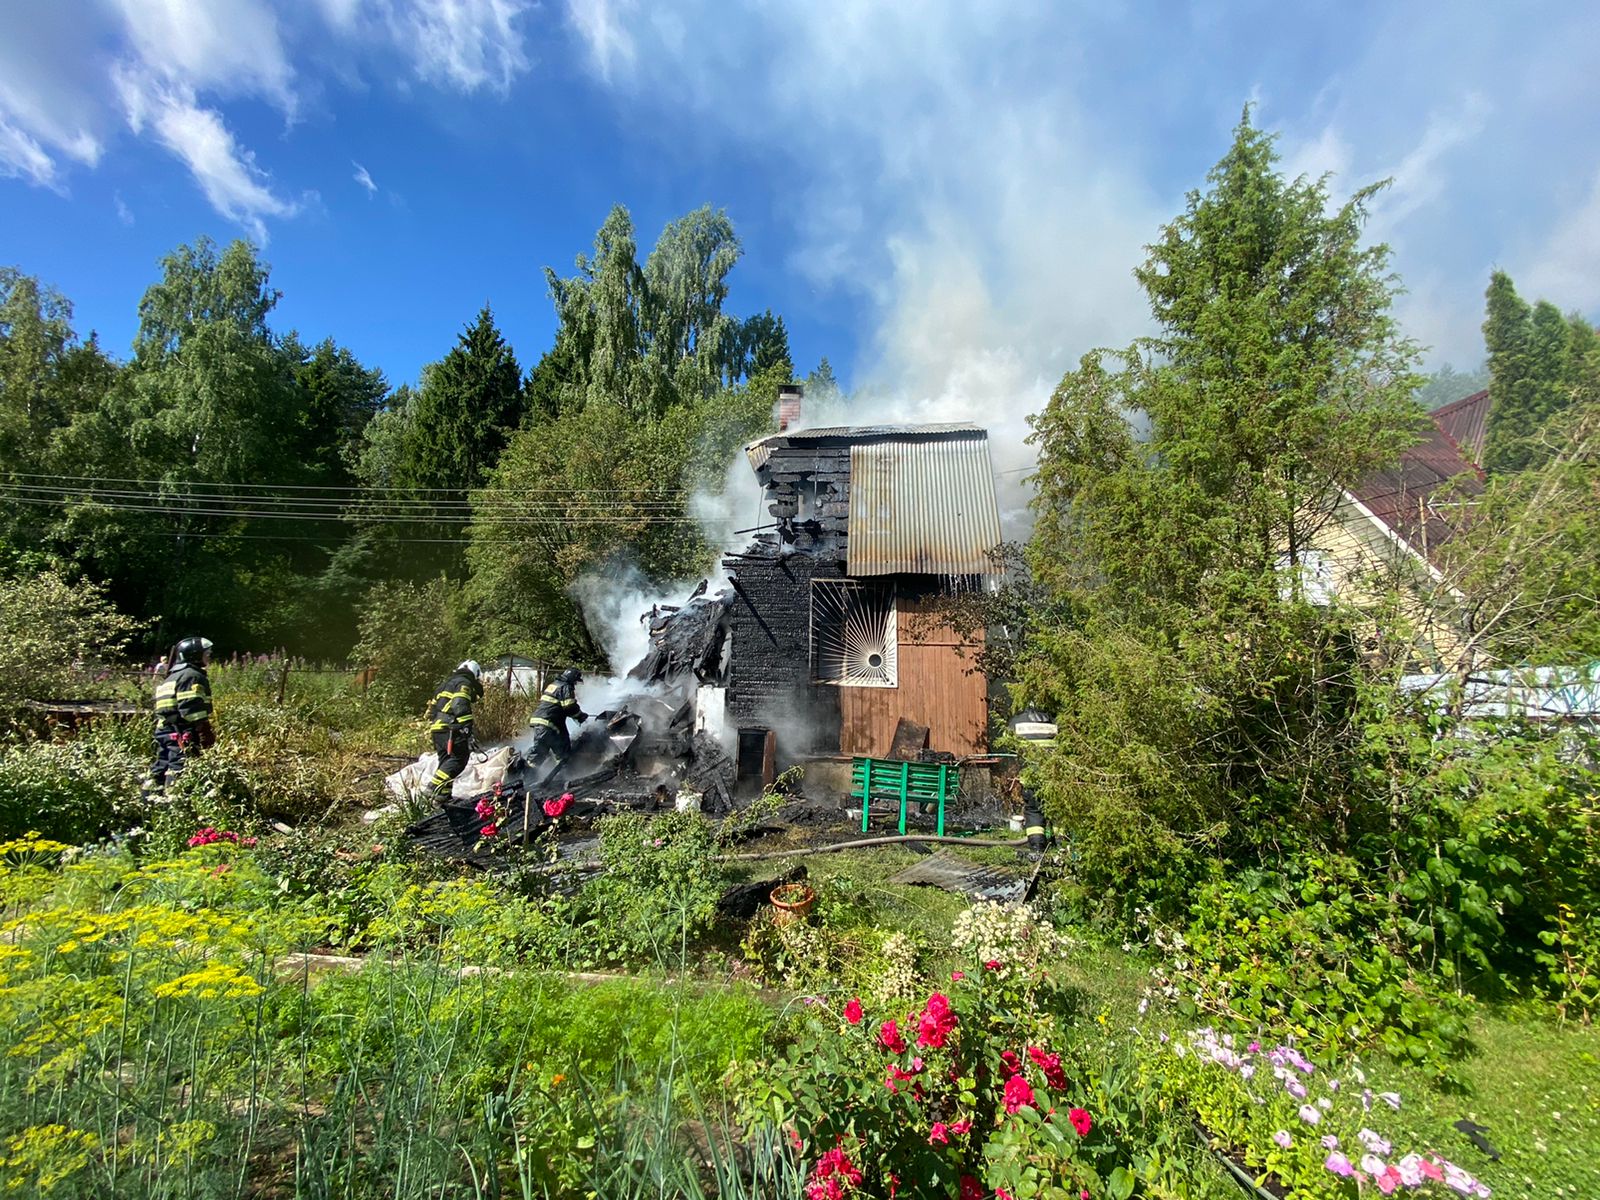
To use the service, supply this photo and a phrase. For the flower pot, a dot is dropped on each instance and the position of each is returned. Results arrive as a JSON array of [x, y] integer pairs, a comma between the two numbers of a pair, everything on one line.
[[791, 902]]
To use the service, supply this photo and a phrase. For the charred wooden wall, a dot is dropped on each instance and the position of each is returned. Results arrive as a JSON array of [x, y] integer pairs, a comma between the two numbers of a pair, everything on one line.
[[939, 686], [769, 674]]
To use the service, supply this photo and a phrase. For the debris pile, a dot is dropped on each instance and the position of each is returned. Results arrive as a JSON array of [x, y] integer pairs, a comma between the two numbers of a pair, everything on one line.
[[646, 751]]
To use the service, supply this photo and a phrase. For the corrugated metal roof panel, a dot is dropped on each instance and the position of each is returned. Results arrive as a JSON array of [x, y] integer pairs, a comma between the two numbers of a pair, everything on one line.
[[760, 450], [924, 507], [1465, 421]]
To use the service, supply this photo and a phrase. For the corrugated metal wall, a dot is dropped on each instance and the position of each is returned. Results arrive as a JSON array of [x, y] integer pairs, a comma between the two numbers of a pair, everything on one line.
[[938, 688], [922, 507]]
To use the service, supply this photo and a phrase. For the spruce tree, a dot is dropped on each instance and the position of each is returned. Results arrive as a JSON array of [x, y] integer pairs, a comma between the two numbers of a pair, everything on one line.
[[468, 403]]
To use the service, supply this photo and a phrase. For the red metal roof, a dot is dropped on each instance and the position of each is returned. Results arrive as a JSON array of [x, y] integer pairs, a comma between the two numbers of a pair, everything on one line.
[[1464, 421], [1411, 498]]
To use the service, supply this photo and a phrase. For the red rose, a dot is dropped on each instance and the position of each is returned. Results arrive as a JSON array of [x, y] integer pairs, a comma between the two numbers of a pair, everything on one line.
[[1050, 1065], [1080, 1121], [938, 1135], [1001, 1194], [889, 1038], [1018, 1094], [959, 1127], [936, 1023], [489, 830], [971, 1189], [852, 1012], [992, 965], [1013, 1064]]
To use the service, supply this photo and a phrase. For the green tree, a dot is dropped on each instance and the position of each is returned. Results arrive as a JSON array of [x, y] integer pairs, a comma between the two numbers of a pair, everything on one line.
[[648, 337], [614, 494], [1447, 385], [1180, 482], [340, 398], [765, 346], [47, 378], [1541, 364], [468, 403]]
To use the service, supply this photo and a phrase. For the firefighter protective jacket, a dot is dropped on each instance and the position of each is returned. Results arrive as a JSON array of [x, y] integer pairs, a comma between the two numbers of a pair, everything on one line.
[[452, 707], [183, 699], [556, 704]]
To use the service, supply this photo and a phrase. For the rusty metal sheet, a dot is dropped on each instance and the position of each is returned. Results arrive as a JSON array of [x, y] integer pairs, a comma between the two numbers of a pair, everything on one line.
[[923, 507], [955, 874], [760, 450]]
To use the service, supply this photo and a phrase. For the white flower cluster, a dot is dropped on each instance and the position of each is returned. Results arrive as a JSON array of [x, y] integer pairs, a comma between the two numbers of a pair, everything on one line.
[[1012, 935], [899, 977]]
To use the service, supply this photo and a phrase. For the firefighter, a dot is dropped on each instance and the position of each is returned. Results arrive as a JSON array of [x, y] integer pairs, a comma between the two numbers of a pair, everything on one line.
[[450, 722], [549, 721], [183, 713]]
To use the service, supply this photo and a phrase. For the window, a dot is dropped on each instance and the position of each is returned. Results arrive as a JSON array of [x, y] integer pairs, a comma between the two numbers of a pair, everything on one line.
[[854, 639]]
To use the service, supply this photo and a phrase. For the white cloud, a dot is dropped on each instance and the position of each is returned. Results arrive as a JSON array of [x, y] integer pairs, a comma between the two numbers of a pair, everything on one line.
[[74, 71], [364, 179], [469, 44], [602, 25], [22, 157], [124, 213], [231, 47], [226, 172]]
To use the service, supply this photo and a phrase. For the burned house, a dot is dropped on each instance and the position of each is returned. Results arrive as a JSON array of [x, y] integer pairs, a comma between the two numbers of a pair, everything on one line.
[[838, 627]]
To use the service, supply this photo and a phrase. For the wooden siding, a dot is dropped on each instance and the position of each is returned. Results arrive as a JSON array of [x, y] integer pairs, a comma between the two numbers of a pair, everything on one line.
[[940, 687]]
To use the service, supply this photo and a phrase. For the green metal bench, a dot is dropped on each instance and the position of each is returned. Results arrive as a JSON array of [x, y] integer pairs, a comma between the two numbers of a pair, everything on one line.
[[908, 782]]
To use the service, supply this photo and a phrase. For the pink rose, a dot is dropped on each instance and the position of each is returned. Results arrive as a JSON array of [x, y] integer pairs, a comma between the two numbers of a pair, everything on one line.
[[889, 1038], [1080, 1121], [852, 1012], [938, 1135]]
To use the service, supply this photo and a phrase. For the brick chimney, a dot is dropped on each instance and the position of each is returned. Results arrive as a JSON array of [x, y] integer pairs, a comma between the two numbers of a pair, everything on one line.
[[789, 406]]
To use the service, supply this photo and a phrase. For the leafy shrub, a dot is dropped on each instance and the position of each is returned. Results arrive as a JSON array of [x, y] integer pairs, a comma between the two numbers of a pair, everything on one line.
[[965, 1092], [660, 887], [813, 956], [1261, 956], [409, 638], [217, 790], [71, 792], [498, 715], [57, 638]]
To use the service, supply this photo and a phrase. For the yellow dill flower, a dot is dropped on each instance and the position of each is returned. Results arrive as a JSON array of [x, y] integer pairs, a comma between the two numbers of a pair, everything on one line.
[[210, 982], [42, 1156]]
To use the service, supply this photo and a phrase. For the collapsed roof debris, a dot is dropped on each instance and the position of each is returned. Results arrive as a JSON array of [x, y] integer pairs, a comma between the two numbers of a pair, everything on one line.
[[644, 752]]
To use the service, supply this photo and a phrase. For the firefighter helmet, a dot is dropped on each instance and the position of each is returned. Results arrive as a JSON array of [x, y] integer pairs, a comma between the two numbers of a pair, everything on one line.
[[472, 668], [193, 650], [572, 675]]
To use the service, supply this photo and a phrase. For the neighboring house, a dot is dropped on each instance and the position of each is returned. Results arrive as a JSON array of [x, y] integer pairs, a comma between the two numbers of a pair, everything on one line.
[[836, 627], [1394, 523]]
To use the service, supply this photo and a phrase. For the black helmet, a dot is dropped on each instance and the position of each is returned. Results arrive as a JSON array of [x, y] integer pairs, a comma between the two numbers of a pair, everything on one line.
[[192, 650], [572, 675]]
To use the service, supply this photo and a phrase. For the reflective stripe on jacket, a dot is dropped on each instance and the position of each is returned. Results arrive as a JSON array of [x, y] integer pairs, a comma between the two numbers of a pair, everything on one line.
[[452, 707], [183, 698], [558, 702]]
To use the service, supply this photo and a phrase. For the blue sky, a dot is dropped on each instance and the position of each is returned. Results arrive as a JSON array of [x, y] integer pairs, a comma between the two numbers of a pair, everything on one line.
[[946, 202]]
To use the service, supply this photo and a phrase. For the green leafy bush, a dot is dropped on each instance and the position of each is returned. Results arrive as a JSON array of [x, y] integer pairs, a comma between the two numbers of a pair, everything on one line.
[[1262, 954], [409, 639], [71, 792], [659, 890]]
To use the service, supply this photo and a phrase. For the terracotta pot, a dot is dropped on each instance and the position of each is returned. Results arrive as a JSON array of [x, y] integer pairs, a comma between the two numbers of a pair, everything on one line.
[[791, 902]]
